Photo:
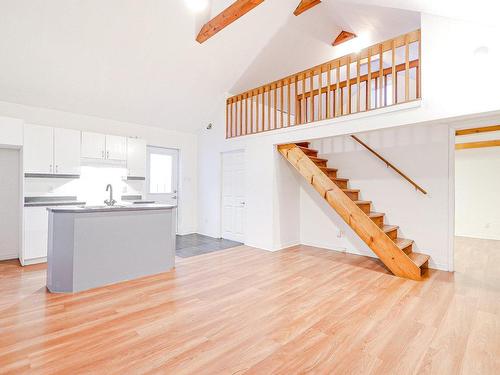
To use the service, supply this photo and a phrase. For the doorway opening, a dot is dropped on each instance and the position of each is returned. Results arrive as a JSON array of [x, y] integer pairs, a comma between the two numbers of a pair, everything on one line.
[[477, 201]]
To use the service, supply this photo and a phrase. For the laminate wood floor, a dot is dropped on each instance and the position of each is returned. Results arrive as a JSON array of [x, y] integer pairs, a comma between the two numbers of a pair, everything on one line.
[[248, 311]]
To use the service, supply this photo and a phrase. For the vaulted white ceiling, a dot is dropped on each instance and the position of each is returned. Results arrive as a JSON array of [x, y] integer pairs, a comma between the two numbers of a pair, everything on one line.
[[138, 61]]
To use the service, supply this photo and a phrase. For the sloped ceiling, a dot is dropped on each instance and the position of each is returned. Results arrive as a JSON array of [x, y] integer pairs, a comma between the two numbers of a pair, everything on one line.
[[305, 41], [138, 61]]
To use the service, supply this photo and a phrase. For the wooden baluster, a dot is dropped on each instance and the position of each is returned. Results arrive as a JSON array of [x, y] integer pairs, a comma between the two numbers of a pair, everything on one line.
[[394, 75], [419, 69], [339, 109], [241, 115], [348, 82], [320, 94], [369, 82], [251, 113], [297, 101], [288, 110], [311, 86], [246, 114], [381, 74], [269, 108], [275, 103], [281, 104], [328, 90], [385, 90], [231, 116], [358, 84], [227, 119], [407, 68], [303, 114], [263, 110]]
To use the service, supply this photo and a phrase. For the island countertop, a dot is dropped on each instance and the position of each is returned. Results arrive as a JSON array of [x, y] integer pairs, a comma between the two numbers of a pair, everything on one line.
[[116, 208]]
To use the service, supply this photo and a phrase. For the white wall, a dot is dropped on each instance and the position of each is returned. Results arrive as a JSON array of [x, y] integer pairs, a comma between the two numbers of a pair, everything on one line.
[[185, 142], [11, 132], [421, 152], [477, 189]]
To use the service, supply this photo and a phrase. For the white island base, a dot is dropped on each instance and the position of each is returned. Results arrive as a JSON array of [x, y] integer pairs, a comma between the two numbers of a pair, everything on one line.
[[89, 247]]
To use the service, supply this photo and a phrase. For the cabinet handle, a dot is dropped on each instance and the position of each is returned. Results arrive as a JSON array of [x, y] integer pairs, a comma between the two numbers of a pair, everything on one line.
[[102, 153], [56, 168], [50, 168], [107, 156]]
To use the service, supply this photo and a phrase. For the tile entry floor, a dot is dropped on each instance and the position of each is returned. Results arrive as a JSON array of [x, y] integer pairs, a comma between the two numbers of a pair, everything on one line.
[[196, 244]]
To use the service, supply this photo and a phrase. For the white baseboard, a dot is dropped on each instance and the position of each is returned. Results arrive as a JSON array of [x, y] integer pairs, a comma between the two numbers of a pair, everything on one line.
[[9, 256], [29, 262], [479, 236]]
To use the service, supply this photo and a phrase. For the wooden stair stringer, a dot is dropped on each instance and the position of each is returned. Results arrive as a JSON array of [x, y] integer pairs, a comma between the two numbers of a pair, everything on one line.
[[389, 253]]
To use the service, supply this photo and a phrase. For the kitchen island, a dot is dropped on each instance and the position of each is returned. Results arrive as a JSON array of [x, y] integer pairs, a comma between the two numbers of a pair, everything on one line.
[[94, 246]]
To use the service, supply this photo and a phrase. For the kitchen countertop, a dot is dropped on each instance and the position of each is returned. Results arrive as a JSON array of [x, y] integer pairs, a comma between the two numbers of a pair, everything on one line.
[[52, 201], [116, 208]]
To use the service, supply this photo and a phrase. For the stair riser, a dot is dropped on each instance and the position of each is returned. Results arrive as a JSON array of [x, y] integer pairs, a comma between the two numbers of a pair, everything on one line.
[[311, 153], [408, 249], [332, 174], [303, 144], [340, 184], [366, 207], [320, 163], [354, 195], [378, 220], [393, 234]]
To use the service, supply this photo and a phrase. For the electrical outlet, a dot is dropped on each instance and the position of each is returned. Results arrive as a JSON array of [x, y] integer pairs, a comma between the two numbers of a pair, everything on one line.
[[340, 234]]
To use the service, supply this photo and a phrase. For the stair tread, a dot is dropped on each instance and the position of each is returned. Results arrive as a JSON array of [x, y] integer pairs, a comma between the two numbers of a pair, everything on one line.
[[388, 228], [362, 202], [328, 169], [314, 158], [307, 149], [351, 190], [376, 214], [418, 258], [402, 242], [339, 179], [300, 144]]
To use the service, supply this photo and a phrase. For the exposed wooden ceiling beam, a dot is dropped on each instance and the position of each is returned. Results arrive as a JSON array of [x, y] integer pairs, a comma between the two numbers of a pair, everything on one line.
[[483, 129], [343, 37], [226, 17], [305, 5], [463, 146]]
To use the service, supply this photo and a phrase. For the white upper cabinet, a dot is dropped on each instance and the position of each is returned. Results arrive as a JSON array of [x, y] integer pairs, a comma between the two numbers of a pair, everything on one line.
[[116, 147], [93, 145], [66, 151], [38, 149], [100, 146], [136, 157]]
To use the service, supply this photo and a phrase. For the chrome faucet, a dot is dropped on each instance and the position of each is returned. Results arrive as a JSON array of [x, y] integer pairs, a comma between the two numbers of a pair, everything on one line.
[[111, 201]]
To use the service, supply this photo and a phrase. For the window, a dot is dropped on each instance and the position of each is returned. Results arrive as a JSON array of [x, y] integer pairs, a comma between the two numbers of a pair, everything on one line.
[[160, 173]]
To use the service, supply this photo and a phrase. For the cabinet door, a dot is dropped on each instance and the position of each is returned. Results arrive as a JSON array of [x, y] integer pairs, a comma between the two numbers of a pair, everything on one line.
[[93, 145], [116, 147], [36, 227], [67, 151], [136, 157], [38, 149]]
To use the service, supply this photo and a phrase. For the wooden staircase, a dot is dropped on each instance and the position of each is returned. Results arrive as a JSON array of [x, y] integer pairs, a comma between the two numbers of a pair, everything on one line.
[[396, 253]]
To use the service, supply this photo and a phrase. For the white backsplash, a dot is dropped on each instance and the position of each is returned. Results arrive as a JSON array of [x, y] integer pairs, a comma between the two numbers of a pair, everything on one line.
[[90, 187]]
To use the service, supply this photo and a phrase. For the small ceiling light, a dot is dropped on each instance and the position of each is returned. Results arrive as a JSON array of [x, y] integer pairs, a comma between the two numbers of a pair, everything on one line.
[[196, 5]]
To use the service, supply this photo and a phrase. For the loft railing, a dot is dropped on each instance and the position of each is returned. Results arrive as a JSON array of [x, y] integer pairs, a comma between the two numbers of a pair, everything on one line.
[[378, 76]]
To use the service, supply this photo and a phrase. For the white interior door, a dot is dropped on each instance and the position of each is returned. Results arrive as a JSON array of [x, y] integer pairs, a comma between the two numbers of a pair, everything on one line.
[[233, 196], [162, 173]]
